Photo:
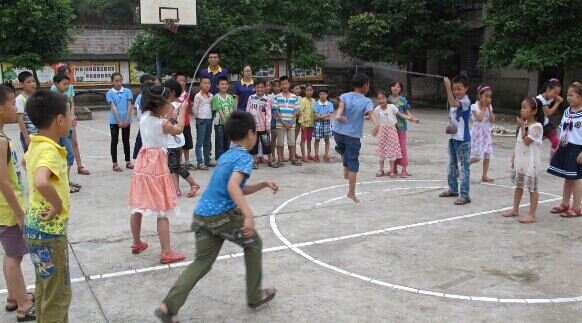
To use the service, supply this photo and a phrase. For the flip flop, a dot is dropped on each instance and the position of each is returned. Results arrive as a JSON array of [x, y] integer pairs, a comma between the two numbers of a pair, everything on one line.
[[193, 190], [270, 294]]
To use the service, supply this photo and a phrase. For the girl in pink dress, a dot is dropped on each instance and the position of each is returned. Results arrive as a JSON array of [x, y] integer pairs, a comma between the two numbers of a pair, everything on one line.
[[481, 139], [152, 191]]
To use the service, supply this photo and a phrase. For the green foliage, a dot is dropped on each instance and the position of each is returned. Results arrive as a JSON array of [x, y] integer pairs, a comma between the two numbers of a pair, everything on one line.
[[532, 34], [104, 12], [35, 32]]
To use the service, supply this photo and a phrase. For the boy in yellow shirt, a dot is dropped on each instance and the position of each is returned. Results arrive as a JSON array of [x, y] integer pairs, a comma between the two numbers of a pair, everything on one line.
[[47, 218]]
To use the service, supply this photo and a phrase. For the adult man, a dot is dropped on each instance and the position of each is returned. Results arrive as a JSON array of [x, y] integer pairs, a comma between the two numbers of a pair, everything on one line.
[[214, 71]]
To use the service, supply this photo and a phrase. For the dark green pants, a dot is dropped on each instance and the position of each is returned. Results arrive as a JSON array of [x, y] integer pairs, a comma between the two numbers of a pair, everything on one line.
[[211, 232]]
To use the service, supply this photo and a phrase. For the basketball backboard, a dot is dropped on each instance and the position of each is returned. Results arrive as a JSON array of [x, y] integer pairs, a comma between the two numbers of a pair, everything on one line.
[[156, 12]]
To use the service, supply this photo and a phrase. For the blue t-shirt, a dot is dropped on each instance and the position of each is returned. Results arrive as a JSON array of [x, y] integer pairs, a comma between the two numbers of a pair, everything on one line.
[[214, 77], [120, 99], [243, 92], [460, 118], [215, 199], [323, 109], [355, 107]]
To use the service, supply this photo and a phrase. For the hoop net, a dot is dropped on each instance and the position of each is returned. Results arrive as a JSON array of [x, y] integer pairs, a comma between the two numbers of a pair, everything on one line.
[[171, 25]]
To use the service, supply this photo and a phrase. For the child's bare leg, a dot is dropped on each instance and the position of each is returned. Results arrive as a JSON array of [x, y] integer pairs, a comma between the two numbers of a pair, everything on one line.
[[392, 164], [473, 160], [577, 191], [255, 159], [308, 148], [280, 152], [485, 167], [76, 150], [531, 216], [316, 147], [381, 162], [352, 186], [274, 149], [15, 282], [302, 146], [176, 180], [345, 172], [191, 181], [517, 198], [567, 192], [292, 155], [135, 223], [164, 235], [326, 147]]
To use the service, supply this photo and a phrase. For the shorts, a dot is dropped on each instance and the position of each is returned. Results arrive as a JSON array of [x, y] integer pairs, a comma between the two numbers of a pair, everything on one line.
[[265, 139], [322, 129], [12, 241], [68, 144], [188, 143], [290, 133], [306, 134], [349, 148]]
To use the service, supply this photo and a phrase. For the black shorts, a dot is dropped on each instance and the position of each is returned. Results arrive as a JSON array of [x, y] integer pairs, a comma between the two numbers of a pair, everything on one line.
[[188, 144], [265, 139]]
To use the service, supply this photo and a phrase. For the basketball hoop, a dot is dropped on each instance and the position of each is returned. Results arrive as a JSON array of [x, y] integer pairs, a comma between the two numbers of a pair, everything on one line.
[[172, 25]]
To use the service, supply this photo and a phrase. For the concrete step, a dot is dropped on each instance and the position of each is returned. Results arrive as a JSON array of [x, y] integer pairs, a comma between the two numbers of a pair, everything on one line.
[[83, 113]]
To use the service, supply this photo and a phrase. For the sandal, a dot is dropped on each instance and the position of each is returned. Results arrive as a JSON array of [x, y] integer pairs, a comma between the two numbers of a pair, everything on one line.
[[404, 174], [572, 213], [202, 167], [12, 303], [28, 315], [296, 162], [305, 160], [448, 194], [463, 201], [129, 165], [560, 209], [138, 248], [510, 213], [527, 219], [165, 317], [117, 168], [391, 174], [73, 189], [255, 166], [316, 159], [171, 257], [487, 179], [273, 164], [380, 173], [193, 190], [326, 159], [269, 294], [280, 163], [75, 185], [81, 170]]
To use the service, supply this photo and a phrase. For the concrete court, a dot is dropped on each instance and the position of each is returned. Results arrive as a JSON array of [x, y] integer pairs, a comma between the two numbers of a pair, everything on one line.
[[474, 266]]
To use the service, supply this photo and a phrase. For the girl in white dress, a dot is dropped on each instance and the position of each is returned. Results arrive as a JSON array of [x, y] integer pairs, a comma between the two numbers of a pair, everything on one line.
[[481, 139], [526, 159]]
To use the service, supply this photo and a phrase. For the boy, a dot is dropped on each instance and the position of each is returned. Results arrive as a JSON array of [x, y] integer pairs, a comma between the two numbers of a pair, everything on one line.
[[12, 202], [26, 127], [223, 106], [274, 121], [460, 141], [223, 214], [47, 218], [286, 105], [62, 83], [348, 128], [188, 143], [322, 129], [144, 80], [260, 107], [203, 113]]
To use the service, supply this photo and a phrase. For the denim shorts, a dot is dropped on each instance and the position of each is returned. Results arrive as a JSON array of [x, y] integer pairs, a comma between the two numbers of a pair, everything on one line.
[[67, 142], [349, 148]]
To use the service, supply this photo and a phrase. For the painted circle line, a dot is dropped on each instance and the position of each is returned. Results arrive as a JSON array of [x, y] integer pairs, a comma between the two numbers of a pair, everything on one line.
[[499, 300]]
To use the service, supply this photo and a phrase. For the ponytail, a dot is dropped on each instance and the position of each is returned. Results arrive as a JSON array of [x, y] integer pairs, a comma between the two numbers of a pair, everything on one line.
[[154, 97]]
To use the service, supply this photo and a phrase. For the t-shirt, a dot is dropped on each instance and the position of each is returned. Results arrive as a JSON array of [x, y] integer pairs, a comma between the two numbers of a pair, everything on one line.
[[214, 77], [571, 125], [388, 116], [307, 118], [322, 109], [176, 141], [216, 199], [460, 118], [43, 152], [243, 91], [202, 106], [224, 104], [286, 107], [403, 106], [20, 105], [260, 108], [122, 100], [355, 107], [187, 116], [137, 107], [7, 216], [547, 103], [475, 108]]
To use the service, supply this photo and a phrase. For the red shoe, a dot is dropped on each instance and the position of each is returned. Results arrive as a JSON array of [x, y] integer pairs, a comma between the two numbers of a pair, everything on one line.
[[316, 159], [138, 248], [326, 159], [171, 257], [309, 157], [403, 175]]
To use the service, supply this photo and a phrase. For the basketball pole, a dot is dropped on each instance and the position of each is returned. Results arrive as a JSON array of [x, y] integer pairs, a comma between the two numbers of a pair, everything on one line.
[[158, 66]]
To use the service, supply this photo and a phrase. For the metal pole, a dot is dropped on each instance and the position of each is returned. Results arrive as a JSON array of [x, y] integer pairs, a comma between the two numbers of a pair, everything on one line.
[[158, 66]]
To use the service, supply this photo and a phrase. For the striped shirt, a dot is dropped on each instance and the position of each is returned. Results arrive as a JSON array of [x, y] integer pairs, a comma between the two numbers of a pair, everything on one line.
[[286, 107]]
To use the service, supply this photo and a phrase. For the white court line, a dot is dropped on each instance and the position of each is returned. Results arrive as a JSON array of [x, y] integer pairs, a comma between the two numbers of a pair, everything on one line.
[[99, 131]]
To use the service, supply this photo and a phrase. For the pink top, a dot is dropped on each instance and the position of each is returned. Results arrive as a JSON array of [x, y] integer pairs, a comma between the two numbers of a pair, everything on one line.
[[261, 110]]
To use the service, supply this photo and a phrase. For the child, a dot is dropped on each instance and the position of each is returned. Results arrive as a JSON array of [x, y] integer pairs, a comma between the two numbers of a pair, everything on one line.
[[188, 142], [62, 87], [460, 141], [551, 101], [388, 142], [567, 162], [307, 121], [26, 127], [274, 122], [322, 129], [152, 192], [223, 214], [46, 221], [526, 158], [348, 128], [296, 89], [119, 99], [401, 126], [260, 107], [12, 203], [481, 139], [223, 104], [203, 113], [157, 80], [287, 108], [176, 142], [144, 80]]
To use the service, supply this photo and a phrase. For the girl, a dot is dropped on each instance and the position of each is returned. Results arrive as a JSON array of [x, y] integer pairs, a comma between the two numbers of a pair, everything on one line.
[[119, 99], [276, 90], [401, 126], [152, 190], [175, 143], [296, 89], [551, 101], [307, 121], [322, 130], [388, 142], [481, 139], [567, 162], [525, 161]]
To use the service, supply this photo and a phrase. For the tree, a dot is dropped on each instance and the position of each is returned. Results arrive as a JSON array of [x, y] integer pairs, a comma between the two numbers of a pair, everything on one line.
[[532, 34], [105, 12], [35, 32], [401, 31]]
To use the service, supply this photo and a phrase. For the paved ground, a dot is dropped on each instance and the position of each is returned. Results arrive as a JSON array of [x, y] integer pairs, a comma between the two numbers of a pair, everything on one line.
[[403, 254]]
